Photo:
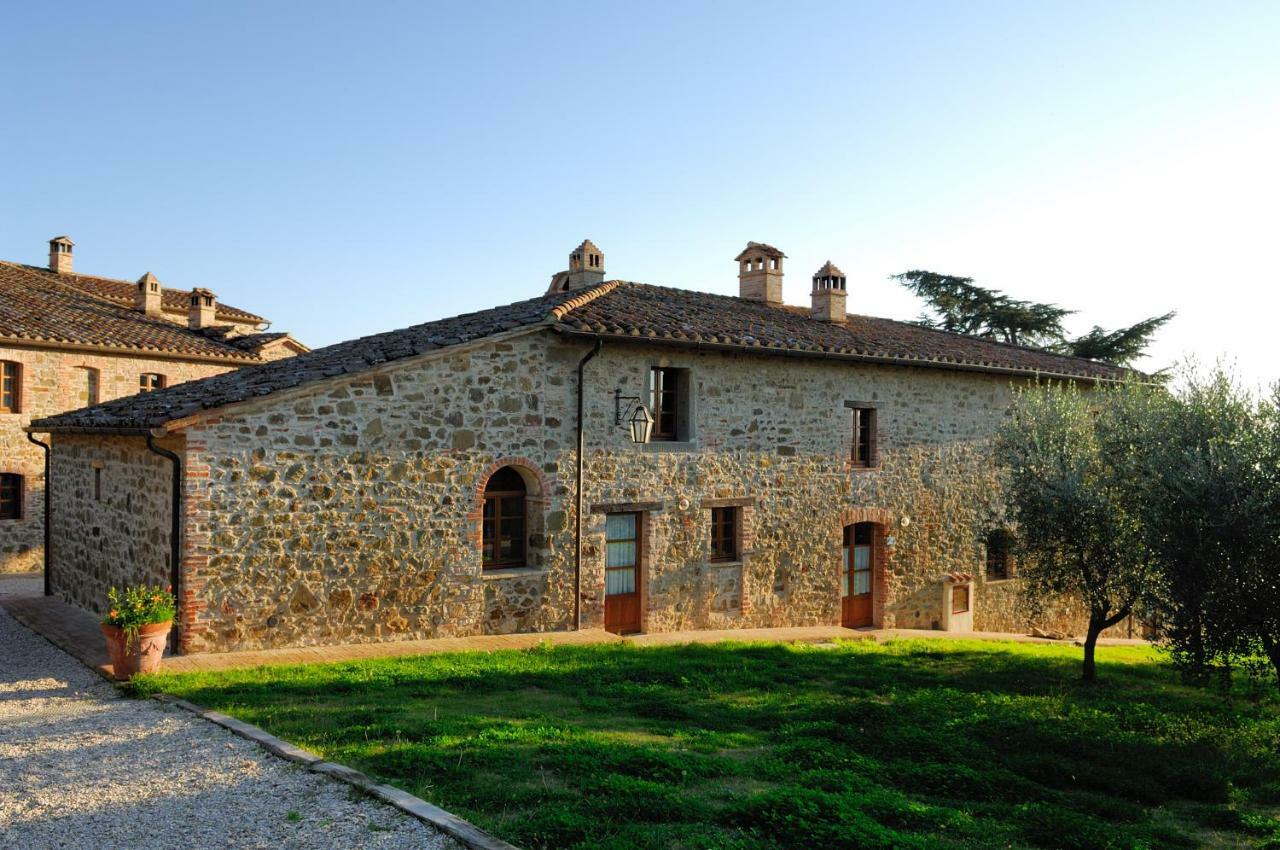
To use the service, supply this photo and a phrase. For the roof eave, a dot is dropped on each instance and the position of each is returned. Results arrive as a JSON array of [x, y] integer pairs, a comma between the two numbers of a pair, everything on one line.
[[158, 353], [774, 351]]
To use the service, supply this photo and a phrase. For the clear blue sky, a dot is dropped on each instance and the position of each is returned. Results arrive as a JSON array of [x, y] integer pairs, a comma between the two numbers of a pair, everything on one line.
[[349, 168]]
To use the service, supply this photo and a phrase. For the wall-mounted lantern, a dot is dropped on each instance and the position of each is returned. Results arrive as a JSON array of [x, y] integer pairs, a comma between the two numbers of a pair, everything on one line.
[[640, 420]]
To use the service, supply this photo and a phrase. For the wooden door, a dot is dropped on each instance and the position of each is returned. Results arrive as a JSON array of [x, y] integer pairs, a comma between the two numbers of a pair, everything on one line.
[[855, 575], [622, 573]]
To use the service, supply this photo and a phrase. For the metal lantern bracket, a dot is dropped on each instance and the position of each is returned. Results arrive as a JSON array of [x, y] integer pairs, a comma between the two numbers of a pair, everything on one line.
[[639, 422], [618, 399]]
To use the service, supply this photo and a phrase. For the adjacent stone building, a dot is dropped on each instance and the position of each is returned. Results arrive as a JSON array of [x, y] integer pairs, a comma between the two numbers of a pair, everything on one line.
[[68, 340], [610, 454]]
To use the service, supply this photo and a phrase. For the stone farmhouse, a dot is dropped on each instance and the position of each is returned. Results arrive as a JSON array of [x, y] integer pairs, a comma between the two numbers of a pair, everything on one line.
[[68, 340], [604, 455]]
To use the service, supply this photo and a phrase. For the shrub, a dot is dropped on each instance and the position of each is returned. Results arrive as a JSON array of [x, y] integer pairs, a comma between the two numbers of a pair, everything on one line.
[[135, 607]]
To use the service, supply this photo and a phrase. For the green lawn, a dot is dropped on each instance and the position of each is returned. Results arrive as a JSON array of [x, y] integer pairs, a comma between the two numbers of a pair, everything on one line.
[[909, 744]]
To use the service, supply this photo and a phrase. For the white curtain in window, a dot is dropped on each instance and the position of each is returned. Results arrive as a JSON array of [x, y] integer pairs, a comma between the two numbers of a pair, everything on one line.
[[620, 581], [861, 570]]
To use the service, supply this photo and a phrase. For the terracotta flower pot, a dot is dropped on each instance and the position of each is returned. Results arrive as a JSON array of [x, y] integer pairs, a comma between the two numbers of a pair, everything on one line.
[[143, 656]]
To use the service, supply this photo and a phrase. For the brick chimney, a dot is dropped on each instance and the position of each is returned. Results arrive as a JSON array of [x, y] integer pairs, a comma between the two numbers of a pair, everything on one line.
[[203, 306], [147, 297], [60, 248], [760, 273], [586, 268], [829, 294]]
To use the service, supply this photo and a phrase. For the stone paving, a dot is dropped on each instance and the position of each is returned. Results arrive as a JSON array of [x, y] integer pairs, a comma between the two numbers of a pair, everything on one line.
[[82, 767]]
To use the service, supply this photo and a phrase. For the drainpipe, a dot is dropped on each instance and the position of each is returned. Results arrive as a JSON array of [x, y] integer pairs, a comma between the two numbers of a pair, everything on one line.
[[577, 535], [175, 538], [48, 588]]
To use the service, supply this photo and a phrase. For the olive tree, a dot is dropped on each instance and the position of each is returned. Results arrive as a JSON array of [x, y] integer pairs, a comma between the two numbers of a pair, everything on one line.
[[1073, 456], [1212, 510]]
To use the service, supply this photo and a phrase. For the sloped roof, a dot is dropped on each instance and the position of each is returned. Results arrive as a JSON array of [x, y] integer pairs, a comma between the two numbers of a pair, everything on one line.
[[660, 314], [617, 311], [45, 308], [122, 292], [152, 410]]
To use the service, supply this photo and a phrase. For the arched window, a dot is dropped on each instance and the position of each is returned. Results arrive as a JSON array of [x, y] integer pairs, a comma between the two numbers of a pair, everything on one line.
[[504, 532]]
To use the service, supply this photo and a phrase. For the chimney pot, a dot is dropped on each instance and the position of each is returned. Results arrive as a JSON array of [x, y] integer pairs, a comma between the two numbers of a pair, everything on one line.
[[760, 273], [586, 268], [147, 299], [204, 305], [60, 254], [830, 294]]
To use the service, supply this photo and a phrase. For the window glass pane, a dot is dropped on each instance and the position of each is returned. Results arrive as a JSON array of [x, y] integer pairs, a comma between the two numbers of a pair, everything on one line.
[[620, 526], [512, 527], [10, 496], [844, 584], [620, 554], [619, 581], [861, 583], [862, 558]]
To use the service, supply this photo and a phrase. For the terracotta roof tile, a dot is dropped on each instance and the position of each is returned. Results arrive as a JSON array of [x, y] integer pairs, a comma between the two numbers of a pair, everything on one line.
[[658, 313], [630, 312], [122, 292], [44, 308], [151, 410]]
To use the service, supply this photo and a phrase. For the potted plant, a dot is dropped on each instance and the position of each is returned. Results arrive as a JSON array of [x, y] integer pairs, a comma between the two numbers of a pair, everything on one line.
[[137, 627]]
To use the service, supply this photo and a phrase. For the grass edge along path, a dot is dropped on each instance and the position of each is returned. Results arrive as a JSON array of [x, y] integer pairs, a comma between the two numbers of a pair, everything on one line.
[[904, 744]]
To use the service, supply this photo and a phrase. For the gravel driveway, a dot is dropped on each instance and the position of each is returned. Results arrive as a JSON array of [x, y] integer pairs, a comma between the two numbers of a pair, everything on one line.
[[80, 766]]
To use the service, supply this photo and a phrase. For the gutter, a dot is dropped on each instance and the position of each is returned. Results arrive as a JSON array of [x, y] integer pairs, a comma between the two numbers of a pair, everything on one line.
[[577, 514], [48, 587], [175, 539]]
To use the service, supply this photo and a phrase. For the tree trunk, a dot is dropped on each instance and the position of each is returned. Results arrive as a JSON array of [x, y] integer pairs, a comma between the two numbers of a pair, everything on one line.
[[1272, 646], [1098, 622], [1090, 644]]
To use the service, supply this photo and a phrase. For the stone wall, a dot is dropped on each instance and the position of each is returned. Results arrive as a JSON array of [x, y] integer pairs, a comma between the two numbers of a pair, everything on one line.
[[349, 510], [110, 517], [52, 382]]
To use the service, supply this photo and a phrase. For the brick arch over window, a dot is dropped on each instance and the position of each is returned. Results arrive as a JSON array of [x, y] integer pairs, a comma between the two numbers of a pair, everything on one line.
[[884, 521], [882, 516], [535, 480]]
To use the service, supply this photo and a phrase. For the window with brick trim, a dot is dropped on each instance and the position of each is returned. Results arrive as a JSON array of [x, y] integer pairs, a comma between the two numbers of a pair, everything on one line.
[[10, 387], [725, 533], [151, 381], [10, 496], [504, 523], [864, 437], [89, 382], [999, 561]]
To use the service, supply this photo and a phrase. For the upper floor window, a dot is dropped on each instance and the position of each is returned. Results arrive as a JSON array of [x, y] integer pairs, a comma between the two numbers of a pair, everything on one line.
[[503, 526], [864, 436], [10, 387], [150, 381], [998, 558], [10, 496], [88, 386], [725, 525], [669, 402]]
